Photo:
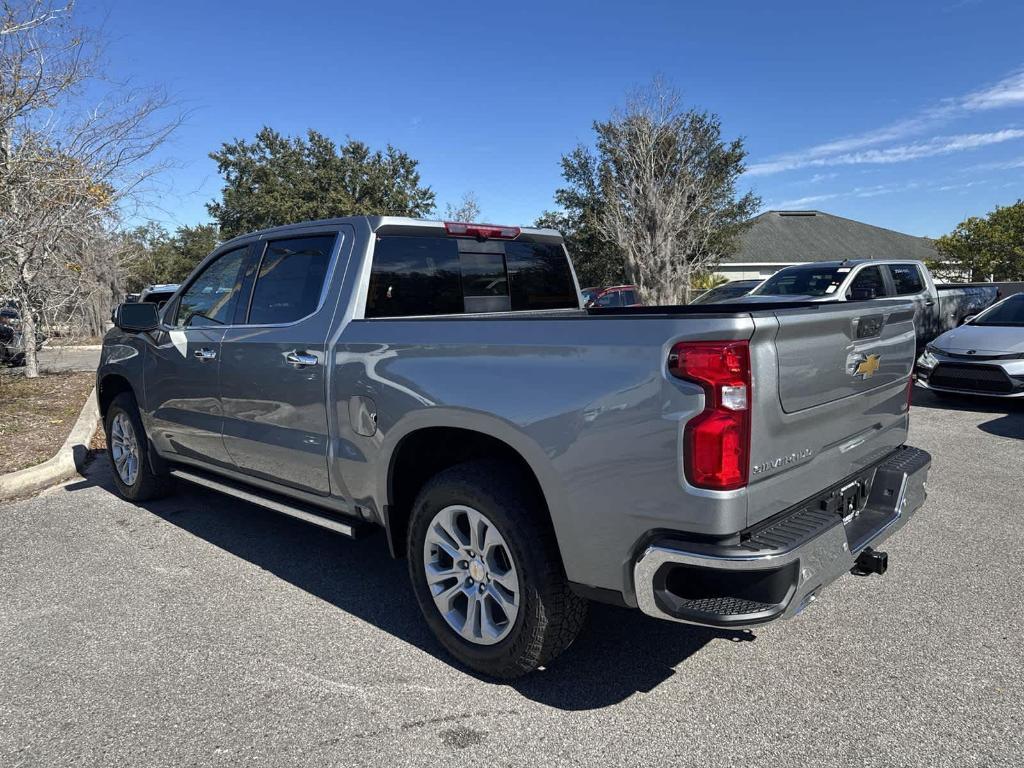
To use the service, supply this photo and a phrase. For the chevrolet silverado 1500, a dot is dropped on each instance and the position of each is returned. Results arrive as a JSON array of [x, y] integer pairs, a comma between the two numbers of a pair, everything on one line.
[[715, 464]]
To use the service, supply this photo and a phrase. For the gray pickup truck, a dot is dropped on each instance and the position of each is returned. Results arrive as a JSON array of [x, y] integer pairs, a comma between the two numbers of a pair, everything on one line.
[[937, 308], [717, 465]]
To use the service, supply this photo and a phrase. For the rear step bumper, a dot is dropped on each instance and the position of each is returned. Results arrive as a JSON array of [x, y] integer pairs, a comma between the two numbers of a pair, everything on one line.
[[779, 567]]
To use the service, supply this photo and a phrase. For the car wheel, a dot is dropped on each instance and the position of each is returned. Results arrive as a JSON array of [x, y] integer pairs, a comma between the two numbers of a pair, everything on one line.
[[486, 571], [128, 449]]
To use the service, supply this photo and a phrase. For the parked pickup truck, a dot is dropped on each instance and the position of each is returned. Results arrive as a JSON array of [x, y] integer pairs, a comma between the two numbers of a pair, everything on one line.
[[938, 308], [715, 465]]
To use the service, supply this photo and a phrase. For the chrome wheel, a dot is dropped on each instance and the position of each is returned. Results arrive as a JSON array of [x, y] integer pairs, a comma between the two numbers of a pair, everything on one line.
[[124, 448], [471, 575]]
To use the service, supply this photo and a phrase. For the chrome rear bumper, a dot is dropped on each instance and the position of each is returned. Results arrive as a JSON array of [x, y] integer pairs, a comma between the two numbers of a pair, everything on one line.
[[778, 568]]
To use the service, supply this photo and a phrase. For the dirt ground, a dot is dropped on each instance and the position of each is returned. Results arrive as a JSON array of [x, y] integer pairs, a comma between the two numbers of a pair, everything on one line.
[[36, 415]]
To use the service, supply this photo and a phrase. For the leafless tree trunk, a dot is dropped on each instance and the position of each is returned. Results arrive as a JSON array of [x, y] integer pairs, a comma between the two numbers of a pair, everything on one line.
[[669, 183], [67, 167]]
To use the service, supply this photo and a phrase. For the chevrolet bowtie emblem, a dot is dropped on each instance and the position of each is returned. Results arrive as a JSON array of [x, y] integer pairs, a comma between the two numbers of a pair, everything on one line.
[[866, 365]]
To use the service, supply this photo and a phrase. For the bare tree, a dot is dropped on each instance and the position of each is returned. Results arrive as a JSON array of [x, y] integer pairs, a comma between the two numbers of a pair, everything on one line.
[[68, 167], [668, 183], [467, 210]]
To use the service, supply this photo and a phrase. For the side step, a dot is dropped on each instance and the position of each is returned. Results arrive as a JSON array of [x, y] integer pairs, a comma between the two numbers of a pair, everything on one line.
[[306, 512]]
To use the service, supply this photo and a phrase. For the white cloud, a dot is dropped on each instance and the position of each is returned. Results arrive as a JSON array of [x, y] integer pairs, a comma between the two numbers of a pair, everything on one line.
[[1007, 92], [860, 148], [802, 202], [901, 153]]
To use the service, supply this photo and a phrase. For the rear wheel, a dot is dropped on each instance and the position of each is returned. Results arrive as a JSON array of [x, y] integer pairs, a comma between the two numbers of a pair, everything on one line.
[[128, 449], [486, 572]]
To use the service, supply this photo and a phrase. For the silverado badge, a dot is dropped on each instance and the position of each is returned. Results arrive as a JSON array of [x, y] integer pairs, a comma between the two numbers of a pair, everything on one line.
[[864, 366]]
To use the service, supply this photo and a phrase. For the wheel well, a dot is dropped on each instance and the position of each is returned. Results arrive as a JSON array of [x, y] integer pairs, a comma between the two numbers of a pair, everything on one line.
[[425, 452], [110, 387]]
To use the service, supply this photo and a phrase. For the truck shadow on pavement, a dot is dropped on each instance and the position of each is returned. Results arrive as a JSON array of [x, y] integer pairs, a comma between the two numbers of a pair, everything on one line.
[[620, 652], [1010, 421]]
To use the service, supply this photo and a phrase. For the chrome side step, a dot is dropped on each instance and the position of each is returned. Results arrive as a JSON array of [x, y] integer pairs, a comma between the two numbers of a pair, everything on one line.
[[303, 512]]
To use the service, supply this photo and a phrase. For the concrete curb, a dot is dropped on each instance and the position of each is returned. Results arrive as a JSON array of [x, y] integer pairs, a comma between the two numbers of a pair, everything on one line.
[[65, 463]]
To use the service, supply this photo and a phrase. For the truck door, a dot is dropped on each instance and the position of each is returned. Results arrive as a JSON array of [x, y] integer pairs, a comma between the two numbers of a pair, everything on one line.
[[182, 372], [274, 364]]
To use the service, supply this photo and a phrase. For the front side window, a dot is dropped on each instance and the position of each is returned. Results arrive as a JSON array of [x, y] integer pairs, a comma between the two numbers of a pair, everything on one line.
[[907, 278], [290, 279], [212, 296], [868, 284]]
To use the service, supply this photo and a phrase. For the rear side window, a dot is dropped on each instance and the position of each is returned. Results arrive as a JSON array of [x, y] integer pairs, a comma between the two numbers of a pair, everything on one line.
[[907, 278], [446, 275], [290, 279]]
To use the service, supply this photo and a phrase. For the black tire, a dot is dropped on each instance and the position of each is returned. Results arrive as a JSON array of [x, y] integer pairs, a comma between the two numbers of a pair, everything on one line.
[[550, 614], [148, 484]]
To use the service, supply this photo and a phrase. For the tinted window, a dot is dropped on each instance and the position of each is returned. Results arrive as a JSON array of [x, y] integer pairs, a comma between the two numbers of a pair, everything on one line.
[[812, 280], [211, 298], [868, 282], [539, 276], [610, 299], [1009, 312], [290, 279], [629, 297], [430, 276], [483, 274], [907, 278], [414, 276]]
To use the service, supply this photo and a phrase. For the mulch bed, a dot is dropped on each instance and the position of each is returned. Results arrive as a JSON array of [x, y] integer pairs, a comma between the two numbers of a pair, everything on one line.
[[36, 415]]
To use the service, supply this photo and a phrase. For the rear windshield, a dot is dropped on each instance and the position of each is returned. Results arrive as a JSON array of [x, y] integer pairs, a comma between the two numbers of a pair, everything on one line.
[[447, 275], [1008, 312], [812, 280]]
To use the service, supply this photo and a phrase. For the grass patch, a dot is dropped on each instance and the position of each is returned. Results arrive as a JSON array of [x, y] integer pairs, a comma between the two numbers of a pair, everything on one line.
[[36, 415]]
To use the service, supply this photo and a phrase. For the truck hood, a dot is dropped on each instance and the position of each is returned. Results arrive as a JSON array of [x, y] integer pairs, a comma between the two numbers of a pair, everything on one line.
[[988, 339]]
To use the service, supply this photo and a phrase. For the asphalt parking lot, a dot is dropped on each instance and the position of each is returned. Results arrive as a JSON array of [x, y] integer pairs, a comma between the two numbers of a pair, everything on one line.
[[203, 631], [59, 359]]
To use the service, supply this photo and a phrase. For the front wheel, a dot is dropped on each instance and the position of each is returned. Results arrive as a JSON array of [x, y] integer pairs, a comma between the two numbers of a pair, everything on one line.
[[486, 572], [128, 449]]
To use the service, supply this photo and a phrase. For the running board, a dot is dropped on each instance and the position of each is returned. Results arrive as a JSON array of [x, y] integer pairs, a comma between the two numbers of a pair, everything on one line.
[[305, 512]]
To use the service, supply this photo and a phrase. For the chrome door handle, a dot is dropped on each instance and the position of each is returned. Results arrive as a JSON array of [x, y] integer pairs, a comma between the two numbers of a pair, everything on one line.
[[205, 354], [300, 359]]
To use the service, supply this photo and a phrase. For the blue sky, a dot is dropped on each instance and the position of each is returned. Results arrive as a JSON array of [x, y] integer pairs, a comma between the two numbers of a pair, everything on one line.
[[908, 115]]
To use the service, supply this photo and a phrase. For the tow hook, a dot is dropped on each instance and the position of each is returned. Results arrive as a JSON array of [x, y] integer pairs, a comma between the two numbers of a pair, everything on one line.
[[870, 561]]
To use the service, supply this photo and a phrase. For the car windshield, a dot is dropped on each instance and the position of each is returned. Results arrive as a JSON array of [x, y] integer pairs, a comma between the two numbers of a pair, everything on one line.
[[722, 292], [812, 280], [1008, 312], [588, 294]]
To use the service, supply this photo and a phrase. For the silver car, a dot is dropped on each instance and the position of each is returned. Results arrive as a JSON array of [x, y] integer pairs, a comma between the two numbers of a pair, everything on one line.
[[984, 356]]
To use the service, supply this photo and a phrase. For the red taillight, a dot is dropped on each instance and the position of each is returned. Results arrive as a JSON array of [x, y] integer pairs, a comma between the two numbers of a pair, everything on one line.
[[717, 440], [482, 231]]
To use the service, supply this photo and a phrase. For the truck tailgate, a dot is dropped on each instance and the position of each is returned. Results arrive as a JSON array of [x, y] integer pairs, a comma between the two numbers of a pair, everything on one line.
[[830, 397]]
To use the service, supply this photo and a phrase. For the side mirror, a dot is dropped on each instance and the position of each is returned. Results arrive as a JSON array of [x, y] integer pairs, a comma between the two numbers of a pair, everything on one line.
[[967, 319], [136, 318]]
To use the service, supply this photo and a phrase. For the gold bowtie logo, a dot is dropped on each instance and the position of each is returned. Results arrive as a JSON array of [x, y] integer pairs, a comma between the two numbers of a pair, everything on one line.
[[867, 367]]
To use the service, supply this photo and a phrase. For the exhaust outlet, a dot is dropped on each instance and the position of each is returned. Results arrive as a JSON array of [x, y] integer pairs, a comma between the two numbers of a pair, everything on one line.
[[871, 561]]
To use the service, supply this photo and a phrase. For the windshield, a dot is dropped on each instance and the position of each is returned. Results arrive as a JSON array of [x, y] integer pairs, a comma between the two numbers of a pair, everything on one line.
[[588, 294], [1007, 312], [722, 292], [812, 280]]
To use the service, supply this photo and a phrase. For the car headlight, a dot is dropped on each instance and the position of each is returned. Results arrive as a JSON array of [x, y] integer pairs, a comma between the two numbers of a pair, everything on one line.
[[927, 358]]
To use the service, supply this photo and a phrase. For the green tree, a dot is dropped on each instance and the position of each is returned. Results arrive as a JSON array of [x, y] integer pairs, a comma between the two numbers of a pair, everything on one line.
[[655, 202], [597, 260], [160, 257], [984, 248], [280, 179]]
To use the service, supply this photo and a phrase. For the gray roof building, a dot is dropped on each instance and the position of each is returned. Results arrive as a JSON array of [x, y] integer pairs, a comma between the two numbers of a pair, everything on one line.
[[776, 239]]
